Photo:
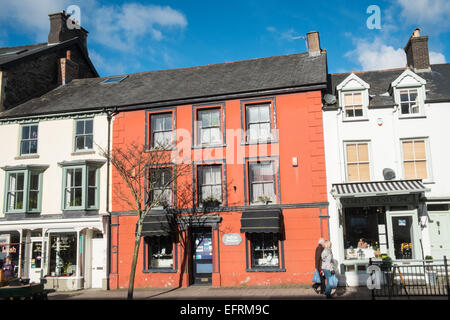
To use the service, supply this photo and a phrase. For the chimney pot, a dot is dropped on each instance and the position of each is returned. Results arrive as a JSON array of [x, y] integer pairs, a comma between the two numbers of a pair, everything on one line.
[[313, 43], [60, 32]]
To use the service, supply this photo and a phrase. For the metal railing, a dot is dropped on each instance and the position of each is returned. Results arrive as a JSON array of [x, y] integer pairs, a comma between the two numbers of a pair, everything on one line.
[[411, 278]]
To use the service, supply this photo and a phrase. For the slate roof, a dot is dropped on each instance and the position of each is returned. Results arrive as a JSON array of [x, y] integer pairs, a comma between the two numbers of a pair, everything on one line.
[[186, 85], [437, 87], [9, 54]]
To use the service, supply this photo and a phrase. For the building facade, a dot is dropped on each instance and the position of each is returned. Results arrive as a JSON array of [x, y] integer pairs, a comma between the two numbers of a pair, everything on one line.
[[386, 150]]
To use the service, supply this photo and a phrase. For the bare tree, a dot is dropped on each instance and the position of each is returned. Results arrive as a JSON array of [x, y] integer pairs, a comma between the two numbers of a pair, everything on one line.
[[145, 185]]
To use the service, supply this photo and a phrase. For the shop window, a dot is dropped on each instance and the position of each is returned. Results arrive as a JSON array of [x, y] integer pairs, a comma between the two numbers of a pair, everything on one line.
[[161, 130], [210, 182], [358, 164], [353, 105], [10, 246], [208, 127], [159, 252], [63, 259], [84, 136], [262, 182], [438, 207], [259, 128], [265, 250], [415, 159], [80, 188], [23, 191], [160, 185], [361, 231], [29, 139]]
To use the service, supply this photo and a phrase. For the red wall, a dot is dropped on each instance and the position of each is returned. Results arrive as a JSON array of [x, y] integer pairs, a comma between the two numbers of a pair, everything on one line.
[[299, 120]]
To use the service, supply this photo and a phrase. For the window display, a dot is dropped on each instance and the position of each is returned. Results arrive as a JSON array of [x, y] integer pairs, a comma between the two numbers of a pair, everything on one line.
[[63, 248], [159, 252], [265, 252], [361, 231]]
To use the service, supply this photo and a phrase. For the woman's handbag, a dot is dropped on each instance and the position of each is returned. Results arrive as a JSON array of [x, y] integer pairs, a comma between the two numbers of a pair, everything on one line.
[[333, 281], [316, 277]]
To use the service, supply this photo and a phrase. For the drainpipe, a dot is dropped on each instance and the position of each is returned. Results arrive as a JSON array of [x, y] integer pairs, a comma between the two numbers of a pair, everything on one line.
[[109, 114]]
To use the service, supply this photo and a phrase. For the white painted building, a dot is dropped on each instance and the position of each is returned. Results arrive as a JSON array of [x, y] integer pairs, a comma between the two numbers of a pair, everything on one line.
[[53, 187], [398, 120]]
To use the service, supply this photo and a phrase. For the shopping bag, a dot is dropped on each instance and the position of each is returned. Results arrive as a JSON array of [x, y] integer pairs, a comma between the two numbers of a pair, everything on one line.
[[316, 277], [333, 281]]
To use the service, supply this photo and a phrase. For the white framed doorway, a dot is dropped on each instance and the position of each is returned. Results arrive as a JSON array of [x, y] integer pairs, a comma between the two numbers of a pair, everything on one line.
[[98, 272], [35, 261], [403, 235]]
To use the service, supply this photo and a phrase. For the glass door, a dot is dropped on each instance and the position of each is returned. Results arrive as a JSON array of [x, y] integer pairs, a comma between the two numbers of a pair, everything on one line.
[[202, 256], [35, 260], [403, 236]]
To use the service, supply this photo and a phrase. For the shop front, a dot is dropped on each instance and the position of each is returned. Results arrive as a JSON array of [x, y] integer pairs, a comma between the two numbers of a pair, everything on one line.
[[58, 252], [378, 218]]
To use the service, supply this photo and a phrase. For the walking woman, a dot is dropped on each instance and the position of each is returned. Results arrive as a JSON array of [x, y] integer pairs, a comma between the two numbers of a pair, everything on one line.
[[327, 266]]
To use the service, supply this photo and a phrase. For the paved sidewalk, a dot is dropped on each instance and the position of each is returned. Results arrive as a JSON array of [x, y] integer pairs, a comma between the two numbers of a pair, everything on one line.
[[282, 292]]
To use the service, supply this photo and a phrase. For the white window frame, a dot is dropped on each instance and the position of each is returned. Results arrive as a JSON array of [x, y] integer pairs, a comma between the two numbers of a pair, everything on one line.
[[418, 84], [428, 157], [84, 135], [353, 84], [369, 148], [200, 172], [200, 127], [251, 182]]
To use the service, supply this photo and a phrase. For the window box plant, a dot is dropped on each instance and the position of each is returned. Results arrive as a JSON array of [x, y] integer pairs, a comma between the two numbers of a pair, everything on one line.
[[386, 263], [264, 199], [210, 202]]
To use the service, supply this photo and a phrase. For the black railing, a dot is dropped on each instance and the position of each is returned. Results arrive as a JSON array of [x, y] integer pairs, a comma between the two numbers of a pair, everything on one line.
[[414, 278]]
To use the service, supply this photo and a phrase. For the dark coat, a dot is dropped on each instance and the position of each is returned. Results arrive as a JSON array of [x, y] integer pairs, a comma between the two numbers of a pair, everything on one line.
[[8, 270], [318, 259]]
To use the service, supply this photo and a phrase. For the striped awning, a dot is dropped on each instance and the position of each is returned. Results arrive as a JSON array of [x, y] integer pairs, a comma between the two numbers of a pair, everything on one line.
[[157, 224], [378, 188]]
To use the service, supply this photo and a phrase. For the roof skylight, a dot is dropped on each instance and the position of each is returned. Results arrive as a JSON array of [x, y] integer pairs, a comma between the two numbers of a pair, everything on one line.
[[114, 79]]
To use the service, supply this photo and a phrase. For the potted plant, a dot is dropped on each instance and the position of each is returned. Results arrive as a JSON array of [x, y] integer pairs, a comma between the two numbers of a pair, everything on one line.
[[264, 199], [431, 275], [210, 202], [376, 251], [386, 263]]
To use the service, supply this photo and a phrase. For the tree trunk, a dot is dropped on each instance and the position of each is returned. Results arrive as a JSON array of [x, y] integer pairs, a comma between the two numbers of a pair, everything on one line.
[[137, 243]]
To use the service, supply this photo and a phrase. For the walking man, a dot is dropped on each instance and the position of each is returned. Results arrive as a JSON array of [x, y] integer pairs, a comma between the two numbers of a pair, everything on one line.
[[318, 266]]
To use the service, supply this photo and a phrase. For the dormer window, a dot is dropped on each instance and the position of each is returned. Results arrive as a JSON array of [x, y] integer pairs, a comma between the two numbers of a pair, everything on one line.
[[409, 94], [353, 98], [408, 101], [353, 106]]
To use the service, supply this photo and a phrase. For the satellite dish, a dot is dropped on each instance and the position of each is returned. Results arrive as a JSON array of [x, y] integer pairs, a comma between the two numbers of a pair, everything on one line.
[[388, 174], [329, 99]]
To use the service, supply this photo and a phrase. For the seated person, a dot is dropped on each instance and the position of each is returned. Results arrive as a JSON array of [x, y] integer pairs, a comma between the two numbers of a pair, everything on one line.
[[362, 244], [8, 268]]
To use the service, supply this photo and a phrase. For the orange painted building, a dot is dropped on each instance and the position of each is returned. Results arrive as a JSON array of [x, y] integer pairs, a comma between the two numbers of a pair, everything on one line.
[[253, 136]]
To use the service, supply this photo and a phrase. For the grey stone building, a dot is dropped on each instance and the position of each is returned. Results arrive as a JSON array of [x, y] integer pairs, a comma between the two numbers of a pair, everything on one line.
[[30, 71]]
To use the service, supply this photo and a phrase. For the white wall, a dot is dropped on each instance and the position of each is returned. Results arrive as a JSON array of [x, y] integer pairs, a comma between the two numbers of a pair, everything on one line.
[[385, 151], [55, 144]]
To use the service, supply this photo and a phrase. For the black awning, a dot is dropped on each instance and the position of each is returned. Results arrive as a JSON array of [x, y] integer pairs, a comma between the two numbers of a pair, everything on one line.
[[261, 221], [157, 224]]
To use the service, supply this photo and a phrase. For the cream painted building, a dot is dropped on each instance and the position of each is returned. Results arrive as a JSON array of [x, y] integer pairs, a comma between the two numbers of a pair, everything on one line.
[[53, 189]]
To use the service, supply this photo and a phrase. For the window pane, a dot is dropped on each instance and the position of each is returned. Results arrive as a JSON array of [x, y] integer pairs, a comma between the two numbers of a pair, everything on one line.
[[33, 146], [168, 122], [253, 132], [409, 170], [357, 98], [253, 114], [215, 118], [205, 118], [25, 132], [79, 143], [91, 196], [216, 174], [404, 96], [257, 191], [363, 152], [352, 171], [412, 95], [205, 136], [419, 149], [63, 251], [206, 192], [77, 197], [264, 132], [33, 200], [34, 181], [215, 135], [88, 126], [88, 142], [351, 153], [92, 177], [265, 251], [364, 172], [264, 113], [160, 252], [421, 170], [349, 112], [405, 108], [25, 147], [20, 181], [78, 177], [358, 111], [80, 127], [408, 151]]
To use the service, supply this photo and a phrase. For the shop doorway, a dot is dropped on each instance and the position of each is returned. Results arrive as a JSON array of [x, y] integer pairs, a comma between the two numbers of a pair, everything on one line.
[[35, 262], [403, 236], [202, 264]]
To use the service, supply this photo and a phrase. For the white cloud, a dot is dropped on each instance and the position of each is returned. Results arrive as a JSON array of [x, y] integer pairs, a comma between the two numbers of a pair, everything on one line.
[[122, 27], [434, 14], [376, 55]]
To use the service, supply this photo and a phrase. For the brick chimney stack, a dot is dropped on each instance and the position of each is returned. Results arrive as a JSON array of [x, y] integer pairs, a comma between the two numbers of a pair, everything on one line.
[[59, 30], [313, 43], [417, 54]]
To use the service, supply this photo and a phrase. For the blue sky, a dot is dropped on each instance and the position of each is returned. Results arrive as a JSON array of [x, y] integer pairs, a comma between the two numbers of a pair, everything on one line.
[[135, 36]]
